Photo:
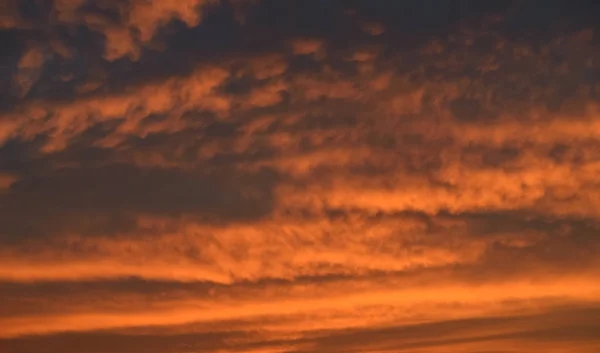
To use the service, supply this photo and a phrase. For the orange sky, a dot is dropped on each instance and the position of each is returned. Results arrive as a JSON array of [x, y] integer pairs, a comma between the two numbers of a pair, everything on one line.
[[268, 176]]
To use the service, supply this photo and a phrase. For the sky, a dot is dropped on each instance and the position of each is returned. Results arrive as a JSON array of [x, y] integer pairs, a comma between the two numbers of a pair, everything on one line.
[[299, 176]]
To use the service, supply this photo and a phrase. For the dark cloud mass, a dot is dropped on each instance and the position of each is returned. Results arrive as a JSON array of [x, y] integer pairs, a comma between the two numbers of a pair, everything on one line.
[[270, 176]]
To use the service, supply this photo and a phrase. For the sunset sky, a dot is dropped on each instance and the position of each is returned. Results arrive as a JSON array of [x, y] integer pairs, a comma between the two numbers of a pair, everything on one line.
[[299, 176]]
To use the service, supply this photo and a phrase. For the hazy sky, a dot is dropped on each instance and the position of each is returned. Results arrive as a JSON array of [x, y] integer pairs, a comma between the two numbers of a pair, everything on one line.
[[299, 176]]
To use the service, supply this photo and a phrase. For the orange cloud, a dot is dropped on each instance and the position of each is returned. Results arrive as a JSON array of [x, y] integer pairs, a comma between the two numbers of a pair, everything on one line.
[[267, 95], [478, 301], [120, 43], [70, 119], [6, 180], [29, 68], [305, 46], [266, 66]]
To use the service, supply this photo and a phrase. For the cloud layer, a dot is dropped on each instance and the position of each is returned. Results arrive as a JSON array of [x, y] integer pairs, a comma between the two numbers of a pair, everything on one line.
[[304, 176]]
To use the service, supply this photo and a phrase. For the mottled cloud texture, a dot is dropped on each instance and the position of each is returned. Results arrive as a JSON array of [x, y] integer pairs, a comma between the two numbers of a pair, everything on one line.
[[269, 176]]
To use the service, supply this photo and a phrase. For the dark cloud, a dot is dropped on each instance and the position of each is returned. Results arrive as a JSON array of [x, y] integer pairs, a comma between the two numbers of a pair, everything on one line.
[[91, 199], [469, 110], [114, 342]]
